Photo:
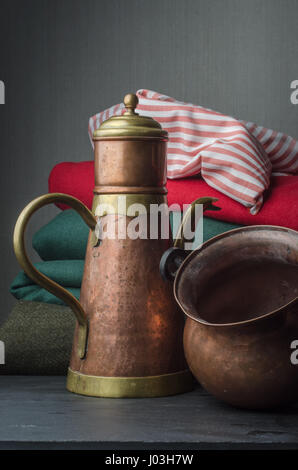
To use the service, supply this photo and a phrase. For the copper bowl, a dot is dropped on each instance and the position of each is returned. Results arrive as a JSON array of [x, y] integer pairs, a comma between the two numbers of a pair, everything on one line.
[[240, 294]]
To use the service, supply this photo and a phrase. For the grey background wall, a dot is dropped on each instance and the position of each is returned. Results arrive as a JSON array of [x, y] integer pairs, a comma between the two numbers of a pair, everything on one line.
[[63, 60]]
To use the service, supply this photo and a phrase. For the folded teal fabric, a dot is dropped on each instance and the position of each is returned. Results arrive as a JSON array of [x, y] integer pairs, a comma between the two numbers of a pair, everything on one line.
[[67, 273], [212, 227], [64, 237]]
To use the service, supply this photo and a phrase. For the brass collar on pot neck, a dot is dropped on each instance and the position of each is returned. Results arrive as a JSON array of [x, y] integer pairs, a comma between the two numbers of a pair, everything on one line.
[[130, 124]]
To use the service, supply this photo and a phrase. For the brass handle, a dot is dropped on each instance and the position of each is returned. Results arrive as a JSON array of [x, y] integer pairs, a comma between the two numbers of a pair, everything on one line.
[[207, 205], [38, 277], [174, 256]]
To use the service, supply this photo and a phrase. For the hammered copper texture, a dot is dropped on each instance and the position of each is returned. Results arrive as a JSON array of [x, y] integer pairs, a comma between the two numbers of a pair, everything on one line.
[[130, 165], [135, 325]]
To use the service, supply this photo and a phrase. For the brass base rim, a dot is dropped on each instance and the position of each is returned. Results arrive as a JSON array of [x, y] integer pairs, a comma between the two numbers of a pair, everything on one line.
[[130, 387]]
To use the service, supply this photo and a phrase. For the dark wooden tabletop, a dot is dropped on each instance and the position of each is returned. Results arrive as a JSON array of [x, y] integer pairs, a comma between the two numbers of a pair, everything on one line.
[[39, 413]]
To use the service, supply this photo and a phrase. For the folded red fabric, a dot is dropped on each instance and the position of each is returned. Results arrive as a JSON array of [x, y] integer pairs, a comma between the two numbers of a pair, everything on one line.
[[74, 178], [280, 202]]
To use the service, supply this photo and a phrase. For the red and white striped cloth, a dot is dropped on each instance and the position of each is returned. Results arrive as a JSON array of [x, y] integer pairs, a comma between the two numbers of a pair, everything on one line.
[[234, 157]]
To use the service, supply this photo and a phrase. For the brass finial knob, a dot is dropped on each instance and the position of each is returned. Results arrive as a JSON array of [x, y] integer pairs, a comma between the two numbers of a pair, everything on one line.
[[131, 102]]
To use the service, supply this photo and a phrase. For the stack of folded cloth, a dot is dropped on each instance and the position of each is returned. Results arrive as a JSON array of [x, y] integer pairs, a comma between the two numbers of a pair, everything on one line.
[[38, 335]]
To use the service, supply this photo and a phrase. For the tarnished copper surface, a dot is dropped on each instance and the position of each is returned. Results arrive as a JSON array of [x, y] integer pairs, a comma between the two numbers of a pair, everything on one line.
[[130, 165], [240, 292], [135, 325]]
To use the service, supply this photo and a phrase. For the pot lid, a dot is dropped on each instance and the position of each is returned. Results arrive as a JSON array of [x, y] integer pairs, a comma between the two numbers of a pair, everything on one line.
[[130, 123]]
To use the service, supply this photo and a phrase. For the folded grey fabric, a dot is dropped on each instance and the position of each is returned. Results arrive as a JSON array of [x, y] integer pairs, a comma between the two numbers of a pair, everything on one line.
[[37, 339]]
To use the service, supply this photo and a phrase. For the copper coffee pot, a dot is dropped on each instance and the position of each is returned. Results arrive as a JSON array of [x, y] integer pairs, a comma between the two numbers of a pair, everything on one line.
[[128, 338]]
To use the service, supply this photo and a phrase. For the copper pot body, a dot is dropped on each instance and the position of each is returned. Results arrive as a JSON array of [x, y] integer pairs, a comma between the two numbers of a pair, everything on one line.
[[135, 325], [130, 166], [240, 293]]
